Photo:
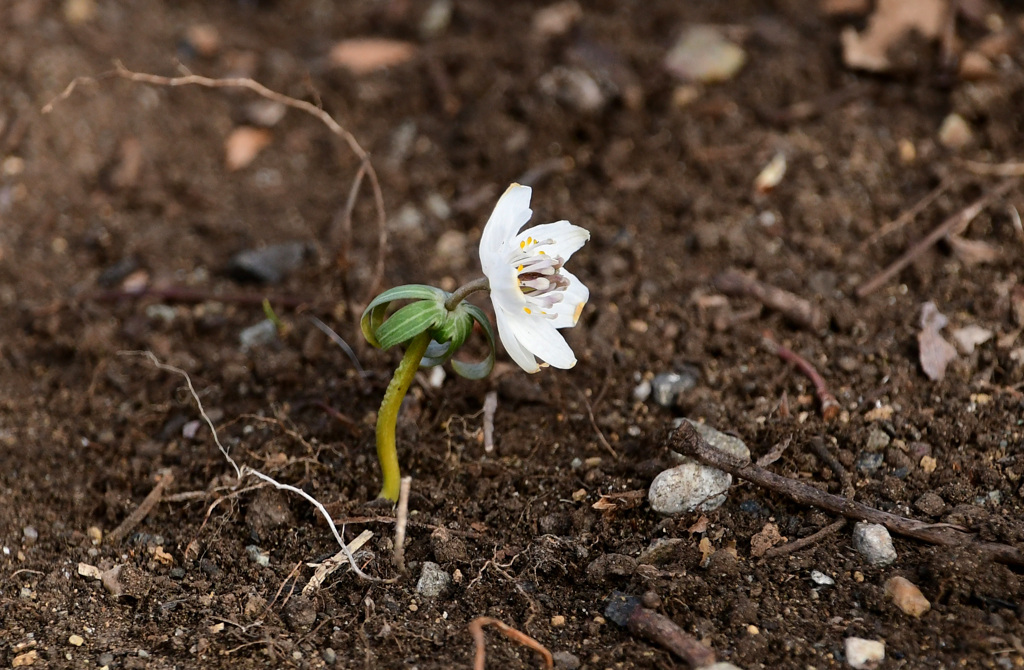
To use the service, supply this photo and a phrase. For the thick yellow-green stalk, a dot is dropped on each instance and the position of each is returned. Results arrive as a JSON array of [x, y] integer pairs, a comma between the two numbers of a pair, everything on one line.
[[387, 417]]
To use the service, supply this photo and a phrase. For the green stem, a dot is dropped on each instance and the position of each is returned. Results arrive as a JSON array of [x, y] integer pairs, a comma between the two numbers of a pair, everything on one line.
[[463, 292], [387, 417]]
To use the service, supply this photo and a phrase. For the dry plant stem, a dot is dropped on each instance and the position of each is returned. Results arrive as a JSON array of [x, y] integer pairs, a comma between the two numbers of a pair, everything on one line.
[[328, 567], [288, 101], [242, 471], [798, 310], [908, 215], [490, 407], [950, 225], [387, 416], [804, 542], [829, 404], [658, 628], [1011, 169], [476, 629], [401, 519], [142, 511], [685, 440]]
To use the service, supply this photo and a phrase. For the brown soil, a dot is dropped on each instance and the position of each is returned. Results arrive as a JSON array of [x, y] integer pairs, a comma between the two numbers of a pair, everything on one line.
[[125, 183]]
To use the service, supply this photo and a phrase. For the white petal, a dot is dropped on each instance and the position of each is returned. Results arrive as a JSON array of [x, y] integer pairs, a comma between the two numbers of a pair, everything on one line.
[[509, 215], [567, 238], [574, 298], [541, 339], [516, 351]]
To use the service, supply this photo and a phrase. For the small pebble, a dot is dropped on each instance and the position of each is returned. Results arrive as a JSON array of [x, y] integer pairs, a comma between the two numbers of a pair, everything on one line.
[[261, 334], [703, 54], [31, 535], [642, 391], [666, 387], [907, 596], [329, 656], [877, 440], [869, 462], [930, 503], [557, 621], [269, 265], [821, 579], [565, 660], [106, 658], [76, 640], [954, 133], [257, 555], [861, 653], [433, 580], [873, 541]]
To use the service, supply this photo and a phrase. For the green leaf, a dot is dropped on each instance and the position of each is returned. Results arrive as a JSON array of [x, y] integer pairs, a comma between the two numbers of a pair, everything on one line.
[[410, 321], [374, 314], [480, 369], [437, 353]]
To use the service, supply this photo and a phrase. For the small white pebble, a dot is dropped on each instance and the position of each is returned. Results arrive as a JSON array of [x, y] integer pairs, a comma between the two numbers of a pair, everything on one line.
[[861, 653], [874, 543]]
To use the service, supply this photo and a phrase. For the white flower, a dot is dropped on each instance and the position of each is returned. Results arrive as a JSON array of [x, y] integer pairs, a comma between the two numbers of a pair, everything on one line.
[[533, 294]]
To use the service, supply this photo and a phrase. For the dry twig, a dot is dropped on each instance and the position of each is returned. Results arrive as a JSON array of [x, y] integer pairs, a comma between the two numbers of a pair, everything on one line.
[[908, 215], [323, 570], [490, 407], [476, 629], [143, 510], [798, 310], [829, 404], [953, 225], [686, 440], [626, 611], [804, 542], [401, 519]]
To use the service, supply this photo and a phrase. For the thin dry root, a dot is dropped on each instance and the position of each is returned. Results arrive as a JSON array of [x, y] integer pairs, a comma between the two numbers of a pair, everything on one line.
[[476, 629]]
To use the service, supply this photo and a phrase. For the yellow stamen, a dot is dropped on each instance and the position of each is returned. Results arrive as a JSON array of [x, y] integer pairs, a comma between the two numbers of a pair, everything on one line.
[[520, 268], [527, 310], [541, 252], [529, 240], [576, 314], [522, 245]]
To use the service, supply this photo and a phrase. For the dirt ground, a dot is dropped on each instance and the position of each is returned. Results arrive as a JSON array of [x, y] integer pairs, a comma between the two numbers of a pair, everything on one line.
[[120, 222]]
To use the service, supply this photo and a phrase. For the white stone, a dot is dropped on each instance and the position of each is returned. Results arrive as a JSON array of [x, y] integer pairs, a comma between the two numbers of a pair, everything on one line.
[[861, 653], [691, 486], [874, 543]]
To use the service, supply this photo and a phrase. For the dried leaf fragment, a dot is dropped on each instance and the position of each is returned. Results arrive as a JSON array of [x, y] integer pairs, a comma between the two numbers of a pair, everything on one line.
[[891, 22], [363, 55], [764, 540], [771, 175], [935, 352]]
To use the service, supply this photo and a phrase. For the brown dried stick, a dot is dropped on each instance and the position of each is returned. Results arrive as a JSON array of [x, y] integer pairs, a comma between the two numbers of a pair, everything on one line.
[[829, 404], [798, 310], [908, 215], [476, 629], [804, 542], [261, 90], [626, 611], [950, 225], [142, 511], [685, 440]]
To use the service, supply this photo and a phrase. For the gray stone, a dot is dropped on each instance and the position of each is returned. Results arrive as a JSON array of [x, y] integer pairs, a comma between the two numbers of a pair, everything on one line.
[[261, 334], [433, 580], [666, 387], [257, 555], [661, 551], [874, 543], [930, 503], [877, 440], [30, 534], [269, 265], [566, 661], [692, 486]]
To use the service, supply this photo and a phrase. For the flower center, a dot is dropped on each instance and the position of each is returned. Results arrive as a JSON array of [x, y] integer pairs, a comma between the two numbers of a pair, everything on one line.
[[538, 276]]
